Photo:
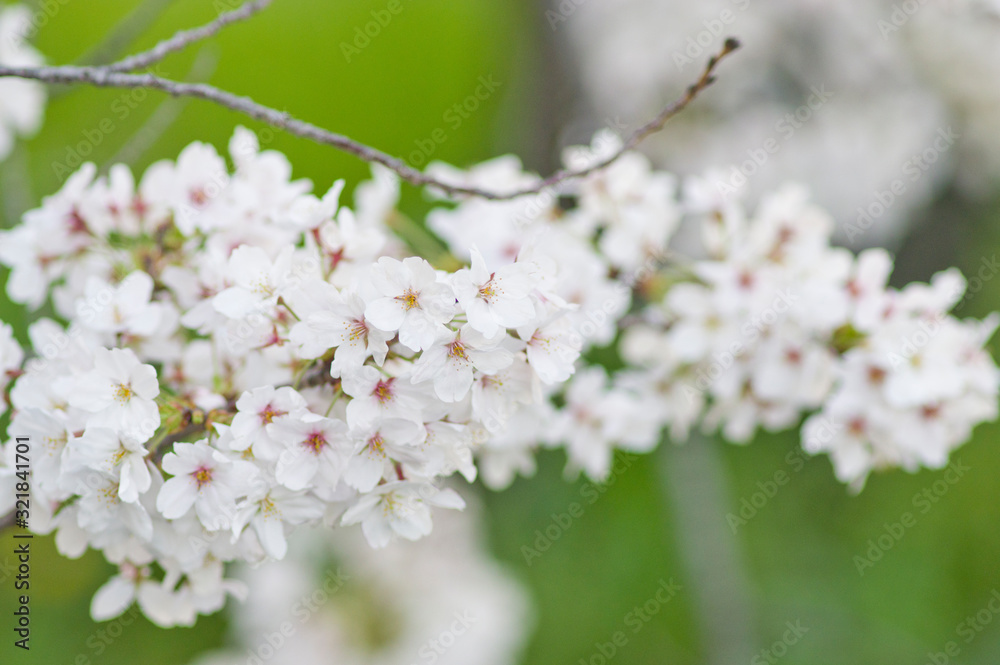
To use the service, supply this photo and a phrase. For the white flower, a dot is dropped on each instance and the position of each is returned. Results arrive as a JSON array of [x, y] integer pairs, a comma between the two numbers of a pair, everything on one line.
[[390, 438], [451, 360], [495, 300], [793, 370], [101, 509], [400, 508], [376, 396], [257, 281], [268, 509], [49, 434], [256, 410], [119, 592], [447, 449], [410, 300], [702, 326], [308, 212], [120, 392], [552, 349], [37, 250], [205, 478], [496, 397], [105, 450], [190, 187], [340, 323], [596, 419], [125, 308], [315, 450], [348, 243], [112, 204]]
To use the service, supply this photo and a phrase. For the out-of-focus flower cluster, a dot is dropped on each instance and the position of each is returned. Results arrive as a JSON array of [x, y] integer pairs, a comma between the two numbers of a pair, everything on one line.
[[442, 599], [22, 102], [822, 92], [772, 324], [240, 357]]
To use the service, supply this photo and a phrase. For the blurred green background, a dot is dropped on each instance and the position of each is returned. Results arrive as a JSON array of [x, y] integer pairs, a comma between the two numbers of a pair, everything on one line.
[[794, 561]]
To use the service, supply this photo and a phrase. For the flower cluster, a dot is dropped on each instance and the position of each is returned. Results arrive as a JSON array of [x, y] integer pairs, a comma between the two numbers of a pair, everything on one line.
[[22, 102], [240, 357]]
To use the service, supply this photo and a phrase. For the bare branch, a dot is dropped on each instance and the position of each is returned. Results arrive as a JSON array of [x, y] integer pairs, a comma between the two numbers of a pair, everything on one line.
[[105, 77], [651, 127], [185, 38]]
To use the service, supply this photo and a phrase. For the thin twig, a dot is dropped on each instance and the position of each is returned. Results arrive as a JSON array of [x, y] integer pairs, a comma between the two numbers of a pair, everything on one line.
[[185, 38], [106, 77]]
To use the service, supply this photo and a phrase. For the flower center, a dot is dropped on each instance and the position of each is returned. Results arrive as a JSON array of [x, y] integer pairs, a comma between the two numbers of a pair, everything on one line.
[[315, 442], [123, 393], [268, 508], [457, 350], [202, 476], [119, 455], [383, 391], [409, 298], [358, 330], [376, 445], [109, 494], [931, 412], [262, 287], [198, 196], [269, 413], [488, 291]]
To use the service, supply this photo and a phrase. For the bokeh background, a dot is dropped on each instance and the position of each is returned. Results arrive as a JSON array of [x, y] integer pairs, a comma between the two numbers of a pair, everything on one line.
[[665, 516]]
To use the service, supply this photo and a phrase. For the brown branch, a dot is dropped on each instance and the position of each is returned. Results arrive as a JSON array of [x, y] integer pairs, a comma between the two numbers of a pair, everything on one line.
[[111, 77]]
